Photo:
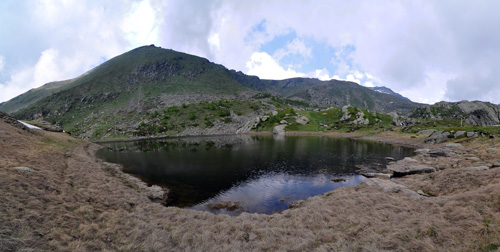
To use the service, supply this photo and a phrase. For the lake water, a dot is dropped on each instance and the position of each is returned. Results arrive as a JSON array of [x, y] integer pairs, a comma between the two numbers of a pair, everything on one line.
[[264, 174]]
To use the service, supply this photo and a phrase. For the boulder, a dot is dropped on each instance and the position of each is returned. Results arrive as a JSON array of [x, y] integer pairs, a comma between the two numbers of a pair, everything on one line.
[[480, 113], [441, 153], [437, 137], [279, 130], [376, 175], [346, 116], [402, 169], [155, 193], [459, 133], [453, 145], [471, 134], [360, 119], [390, 187], [302, 120]]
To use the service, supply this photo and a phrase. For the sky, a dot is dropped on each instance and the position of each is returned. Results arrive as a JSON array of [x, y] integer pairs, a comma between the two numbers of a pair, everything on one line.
[[428, 51]]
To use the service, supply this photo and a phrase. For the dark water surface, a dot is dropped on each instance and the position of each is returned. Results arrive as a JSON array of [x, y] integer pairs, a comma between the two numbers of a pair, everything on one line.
[[264, 173]]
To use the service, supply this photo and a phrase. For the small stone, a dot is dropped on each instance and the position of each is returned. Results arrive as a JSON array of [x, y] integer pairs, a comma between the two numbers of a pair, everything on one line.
[[283, 122], [477, 168], [472, 158], [453, 145], [22, 168], [389, 158], [495, 165], [422, 193]]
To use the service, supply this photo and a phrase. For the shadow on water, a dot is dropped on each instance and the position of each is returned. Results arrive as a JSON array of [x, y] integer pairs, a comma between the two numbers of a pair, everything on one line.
[[263, 174]]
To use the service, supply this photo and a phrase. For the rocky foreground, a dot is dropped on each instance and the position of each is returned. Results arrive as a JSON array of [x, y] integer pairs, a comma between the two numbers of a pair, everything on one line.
[[57, 196]]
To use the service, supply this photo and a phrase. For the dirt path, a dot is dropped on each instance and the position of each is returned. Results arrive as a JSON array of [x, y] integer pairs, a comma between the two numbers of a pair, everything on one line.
[[72, 201]]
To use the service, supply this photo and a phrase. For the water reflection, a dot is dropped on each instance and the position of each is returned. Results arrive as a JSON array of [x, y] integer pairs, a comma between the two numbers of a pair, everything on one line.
[[263, 173]]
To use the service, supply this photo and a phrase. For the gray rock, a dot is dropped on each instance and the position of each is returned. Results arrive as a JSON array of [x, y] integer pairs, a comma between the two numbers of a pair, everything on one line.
[[283, 122], [251, 124], [471, 134], [459, 134], [407, 160], [155, 192], [453, 145], [437, 137], [426, 132], [279, 130], [376, 175], [264, 118], [495, 165], [472, 158], [360, 119], [23, 168], [480, 113], [402, 169], [275, 113], [441, 153], [422, 193], [390, 187], [423, 151], [346, 116], [389, 158], [477, 168], [302, 120]]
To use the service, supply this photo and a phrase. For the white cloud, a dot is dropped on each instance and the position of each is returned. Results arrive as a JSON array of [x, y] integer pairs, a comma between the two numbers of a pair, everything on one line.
[[368, 84], [321, 74], [265, 66], [297, 46], [140, 25], [2, 63], [351, 77], [214, 40]]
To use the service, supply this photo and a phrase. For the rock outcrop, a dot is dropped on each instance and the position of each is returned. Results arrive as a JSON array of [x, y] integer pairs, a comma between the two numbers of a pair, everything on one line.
[[437, 137], [279, 130], [390, 186]]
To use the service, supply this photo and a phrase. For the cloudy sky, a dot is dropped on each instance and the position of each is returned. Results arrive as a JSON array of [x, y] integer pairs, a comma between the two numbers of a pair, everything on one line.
[[425, 50]]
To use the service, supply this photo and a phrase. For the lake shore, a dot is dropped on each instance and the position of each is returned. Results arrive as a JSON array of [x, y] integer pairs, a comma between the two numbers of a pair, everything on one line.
[[69, 200]]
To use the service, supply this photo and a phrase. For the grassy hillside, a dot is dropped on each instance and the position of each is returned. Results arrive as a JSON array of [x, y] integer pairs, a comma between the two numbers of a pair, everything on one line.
[[340, 93], [120, 95], [24, 100]]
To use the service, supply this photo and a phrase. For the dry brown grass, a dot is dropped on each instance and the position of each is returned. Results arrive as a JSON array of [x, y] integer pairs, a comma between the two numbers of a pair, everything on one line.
[[74, 202]]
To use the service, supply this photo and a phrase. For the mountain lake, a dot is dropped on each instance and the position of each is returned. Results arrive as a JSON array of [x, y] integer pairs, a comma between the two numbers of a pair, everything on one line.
[[257, 174]]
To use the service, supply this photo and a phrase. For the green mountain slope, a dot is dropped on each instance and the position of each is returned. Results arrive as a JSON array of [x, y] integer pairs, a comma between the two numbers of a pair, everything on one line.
[[149, 89], [328, 93], [34, 95]]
